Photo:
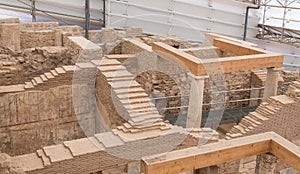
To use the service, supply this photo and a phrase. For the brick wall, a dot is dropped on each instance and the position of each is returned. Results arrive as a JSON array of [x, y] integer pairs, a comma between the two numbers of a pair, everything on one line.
[[17, 69], [33, 119], [10, 36], [32, 39], [9, 20], [39, 25], [100, 153]]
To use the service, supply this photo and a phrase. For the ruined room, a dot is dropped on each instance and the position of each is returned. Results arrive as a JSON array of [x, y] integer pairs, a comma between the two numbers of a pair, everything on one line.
[[149, 87]]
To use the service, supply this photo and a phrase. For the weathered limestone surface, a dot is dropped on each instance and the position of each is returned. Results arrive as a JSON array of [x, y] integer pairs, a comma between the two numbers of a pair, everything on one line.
[[105, 152], [32, 39], [32, 62], [37, 26], [31, 120], [42, 111], [279, 114], [10, 36], [83, 50], [7, 166], [9, 20]]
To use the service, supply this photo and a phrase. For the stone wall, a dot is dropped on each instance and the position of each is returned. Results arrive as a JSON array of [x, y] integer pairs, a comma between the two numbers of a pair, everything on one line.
[[216, 86], [10, 36], [9, 20], [258, 79], [108, 102], [160, 85], [279, 114], [33, 119], [16, 69], [83, 50], [103, 152], [169, 87], [42, 109], [30, 49], [32, 39], [31, 26], [7, 166], [66, 31]]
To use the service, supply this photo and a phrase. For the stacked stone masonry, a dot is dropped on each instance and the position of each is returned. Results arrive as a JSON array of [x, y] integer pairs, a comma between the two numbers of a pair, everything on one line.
[[54, 62], [272, 115], [102, 153]]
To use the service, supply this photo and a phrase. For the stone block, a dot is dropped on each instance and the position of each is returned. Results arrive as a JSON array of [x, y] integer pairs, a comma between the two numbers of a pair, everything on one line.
[[109, 139], [10, 36], [57, 153], [83, 146]]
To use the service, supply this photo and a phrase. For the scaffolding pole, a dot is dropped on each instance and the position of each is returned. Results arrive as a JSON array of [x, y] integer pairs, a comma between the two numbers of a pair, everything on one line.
[[87, 18], [33, 11]]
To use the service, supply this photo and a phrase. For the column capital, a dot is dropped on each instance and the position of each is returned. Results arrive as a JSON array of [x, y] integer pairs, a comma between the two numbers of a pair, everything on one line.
[[198, 77]]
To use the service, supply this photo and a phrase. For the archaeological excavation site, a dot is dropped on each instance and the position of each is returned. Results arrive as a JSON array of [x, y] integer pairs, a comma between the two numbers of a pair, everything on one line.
[[142, 96]]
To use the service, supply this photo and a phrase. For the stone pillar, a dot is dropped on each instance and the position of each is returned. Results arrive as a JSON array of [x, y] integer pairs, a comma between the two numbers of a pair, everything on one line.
[[208, 170], [267, 163], [271, 82], [134, 167], [194, 114]]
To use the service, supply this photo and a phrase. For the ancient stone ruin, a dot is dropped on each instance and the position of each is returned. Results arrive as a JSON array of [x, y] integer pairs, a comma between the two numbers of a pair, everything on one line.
[[126, 102]]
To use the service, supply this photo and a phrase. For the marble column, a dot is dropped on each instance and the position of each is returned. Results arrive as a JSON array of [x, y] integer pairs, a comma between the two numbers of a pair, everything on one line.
[[267, 163], [271, 84], [194, 114]]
